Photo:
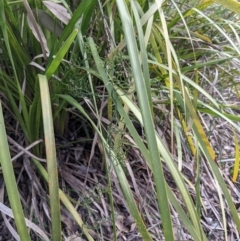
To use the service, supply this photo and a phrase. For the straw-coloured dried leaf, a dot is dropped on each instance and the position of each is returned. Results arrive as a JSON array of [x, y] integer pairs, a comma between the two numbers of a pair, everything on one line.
[[58, 10], [34, 31], [6, 210]]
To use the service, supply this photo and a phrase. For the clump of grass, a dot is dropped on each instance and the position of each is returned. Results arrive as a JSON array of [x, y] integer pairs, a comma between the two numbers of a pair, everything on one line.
[[141, 97]]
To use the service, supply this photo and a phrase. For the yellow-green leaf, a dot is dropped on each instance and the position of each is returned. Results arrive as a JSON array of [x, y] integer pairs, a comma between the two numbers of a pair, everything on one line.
[[237, 160], [232, 5]]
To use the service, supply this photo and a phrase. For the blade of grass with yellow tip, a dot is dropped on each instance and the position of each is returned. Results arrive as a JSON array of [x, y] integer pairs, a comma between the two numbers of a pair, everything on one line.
[[186, 132], [237, 160], [197, 124]]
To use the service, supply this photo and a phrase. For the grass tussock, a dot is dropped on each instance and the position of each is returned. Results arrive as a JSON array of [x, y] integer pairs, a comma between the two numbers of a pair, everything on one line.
[[119, 120]]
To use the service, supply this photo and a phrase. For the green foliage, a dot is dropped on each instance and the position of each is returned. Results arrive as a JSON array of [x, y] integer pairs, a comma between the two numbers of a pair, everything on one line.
[[126, 68]]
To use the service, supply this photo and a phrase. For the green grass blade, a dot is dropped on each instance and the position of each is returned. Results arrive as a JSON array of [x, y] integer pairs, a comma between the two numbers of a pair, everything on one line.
[[119, 171], [83, 7], [183, 216], [10, 182], [145, 106], [219, 28], [52, 166], [142, 147], [15, 109], [59, 56], [6, 37], [87, 16], [172, 167], [3, 25], [189, 204], [143, 52], [189, 81]]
